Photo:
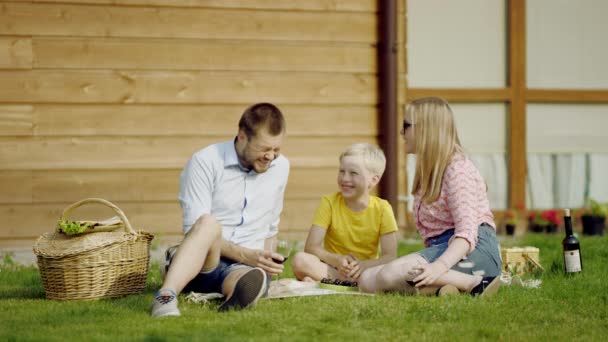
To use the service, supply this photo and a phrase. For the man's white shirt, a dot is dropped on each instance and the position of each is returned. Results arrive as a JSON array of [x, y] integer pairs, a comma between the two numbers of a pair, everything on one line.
[[247, 204]]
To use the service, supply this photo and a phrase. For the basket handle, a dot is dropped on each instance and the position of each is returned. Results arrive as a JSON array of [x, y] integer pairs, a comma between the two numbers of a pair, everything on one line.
[[109, 204]]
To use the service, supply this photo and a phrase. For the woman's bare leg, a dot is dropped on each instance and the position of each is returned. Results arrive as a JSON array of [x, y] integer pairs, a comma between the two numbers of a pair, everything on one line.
[[395, 275]]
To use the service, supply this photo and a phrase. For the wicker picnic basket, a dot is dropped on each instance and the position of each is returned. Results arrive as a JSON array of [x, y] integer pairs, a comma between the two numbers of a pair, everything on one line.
[[96, 265]]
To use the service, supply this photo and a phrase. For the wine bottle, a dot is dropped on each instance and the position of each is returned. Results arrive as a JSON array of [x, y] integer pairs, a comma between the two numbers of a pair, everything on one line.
[[571, 248]]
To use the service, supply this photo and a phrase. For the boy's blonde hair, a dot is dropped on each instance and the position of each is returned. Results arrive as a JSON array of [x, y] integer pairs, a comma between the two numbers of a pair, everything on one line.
[[436, 143], [373, 157]]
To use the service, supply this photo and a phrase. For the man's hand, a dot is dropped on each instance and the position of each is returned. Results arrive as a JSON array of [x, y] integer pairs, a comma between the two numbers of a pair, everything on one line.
[[427, 274], [264, 260]]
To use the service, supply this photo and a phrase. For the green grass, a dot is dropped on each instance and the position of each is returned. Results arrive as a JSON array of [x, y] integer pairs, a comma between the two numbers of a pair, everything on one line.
[[563, 309]]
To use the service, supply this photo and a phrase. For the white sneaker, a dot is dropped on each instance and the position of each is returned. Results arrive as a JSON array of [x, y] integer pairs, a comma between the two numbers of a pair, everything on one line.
[[165, 305], [248, 289]]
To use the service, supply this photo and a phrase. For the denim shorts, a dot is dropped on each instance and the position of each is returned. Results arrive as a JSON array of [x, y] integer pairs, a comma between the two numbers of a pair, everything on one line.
[[485, 259], [209, 281]]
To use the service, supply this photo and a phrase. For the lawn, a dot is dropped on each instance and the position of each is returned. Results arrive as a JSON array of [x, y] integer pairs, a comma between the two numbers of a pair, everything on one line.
[[563, 308]]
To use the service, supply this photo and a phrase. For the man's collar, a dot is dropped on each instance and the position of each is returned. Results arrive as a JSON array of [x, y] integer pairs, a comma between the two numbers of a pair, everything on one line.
[[231, 158]]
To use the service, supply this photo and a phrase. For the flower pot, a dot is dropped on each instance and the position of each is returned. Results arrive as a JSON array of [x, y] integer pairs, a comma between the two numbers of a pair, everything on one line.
[[593, 225], [510, 229], [551, 228], [535, 228]]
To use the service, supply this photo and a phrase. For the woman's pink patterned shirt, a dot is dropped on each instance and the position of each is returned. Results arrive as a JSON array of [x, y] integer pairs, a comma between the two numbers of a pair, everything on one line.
[[462, 204]]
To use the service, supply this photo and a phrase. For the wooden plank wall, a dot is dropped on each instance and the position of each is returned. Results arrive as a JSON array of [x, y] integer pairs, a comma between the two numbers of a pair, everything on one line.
[[109, 98]]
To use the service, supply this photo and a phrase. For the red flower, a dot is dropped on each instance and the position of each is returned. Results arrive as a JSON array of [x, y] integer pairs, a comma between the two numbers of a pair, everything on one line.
[[552, 216], [546, 217]]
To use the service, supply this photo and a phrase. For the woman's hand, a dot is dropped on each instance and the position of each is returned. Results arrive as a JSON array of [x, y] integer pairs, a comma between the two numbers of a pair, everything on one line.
[[427, 274]]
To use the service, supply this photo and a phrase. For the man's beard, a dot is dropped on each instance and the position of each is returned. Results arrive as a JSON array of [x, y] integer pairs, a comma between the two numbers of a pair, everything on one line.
[[250, 164]]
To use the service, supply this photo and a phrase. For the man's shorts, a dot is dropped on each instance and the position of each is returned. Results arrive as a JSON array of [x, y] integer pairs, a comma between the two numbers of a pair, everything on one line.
[[485, 259], [210, 281]]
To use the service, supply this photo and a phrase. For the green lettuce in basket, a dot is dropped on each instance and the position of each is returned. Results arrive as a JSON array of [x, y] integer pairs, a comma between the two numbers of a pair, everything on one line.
[[72, 227]]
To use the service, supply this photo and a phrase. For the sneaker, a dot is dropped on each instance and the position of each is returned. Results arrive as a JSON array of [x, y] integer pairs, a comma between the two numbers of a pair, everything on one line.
[[248, 289], [447, 290], [165, 305], [487, 287]]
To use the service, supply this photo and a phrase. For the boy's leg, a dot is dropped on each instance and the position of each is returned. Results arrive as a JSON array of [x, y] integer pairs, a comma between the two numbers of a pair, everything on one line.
[[306, 265]]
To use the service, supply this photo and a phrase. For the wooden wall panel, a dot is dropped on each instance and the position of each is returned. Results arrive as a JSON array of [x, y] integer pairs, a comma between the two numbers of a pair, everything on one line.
[[16, 120], [16, 187], [115, 185], [311, 5], [152, 185], [172, 22], [15, 53], [30, 220], [110, 98], [105, 86], [108, 153], [164, 120], [190, 54]]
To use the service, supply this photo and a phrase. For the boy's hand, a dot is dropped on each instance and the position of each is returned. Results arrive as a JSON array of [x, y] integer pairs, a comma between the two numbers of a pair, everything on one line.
[[350, 267], [356, 268], [345, 265]]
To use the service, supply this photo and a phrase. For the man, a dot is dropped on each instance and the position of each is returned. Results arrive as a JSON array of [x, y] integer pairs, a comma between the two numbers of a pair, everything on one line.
[[231, 195]]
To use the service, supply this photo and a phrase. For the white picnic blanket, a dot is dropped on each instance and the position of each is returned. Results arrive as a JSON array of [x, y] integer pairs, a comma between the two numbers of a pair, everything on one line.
[[282, 288]]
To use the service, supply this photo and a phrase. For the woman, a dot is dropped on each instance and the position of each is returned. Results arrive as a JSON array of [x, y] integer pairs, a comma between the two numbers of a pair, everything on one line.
[[451, 210]]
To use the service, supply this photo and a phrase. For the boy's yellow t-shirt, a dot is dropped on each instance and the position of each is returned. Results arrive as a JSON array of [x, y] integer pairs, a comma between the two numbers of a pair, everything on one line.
[[351, 232]]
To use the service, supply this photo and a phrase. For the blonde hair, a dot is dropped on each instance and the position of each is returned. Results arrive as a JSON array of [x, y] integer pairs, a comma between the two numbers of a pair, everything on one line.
[[373, 157], [436, 143]]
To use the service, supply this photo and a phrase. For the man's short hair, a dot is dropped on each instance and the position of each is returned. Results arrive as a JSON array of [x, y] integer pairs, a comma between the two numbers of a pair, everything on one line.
[[261, 115], [373, 157]]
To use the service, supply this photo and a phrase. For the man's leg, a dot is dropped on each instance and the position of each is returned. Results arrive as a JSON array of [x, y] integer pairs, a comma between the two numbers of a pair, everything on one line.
[[243, 287], [200, 250]]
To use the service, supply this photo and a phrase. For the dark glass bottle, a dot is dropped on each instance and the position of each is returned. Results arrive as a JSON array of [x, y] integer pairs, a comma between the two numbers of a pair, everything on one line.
[[571, 247]]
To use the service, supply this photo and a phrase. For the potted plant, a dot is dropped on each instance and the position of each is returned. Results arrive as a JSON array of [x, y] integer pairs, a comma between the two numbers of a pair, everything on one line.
[[544, 221], [594, 219], [510, 221], [511, 218]]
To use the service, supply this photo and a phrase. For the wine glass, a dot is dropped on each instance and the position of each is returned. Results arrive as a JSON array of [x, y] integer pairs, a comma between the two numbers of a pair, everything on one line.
[[282, 247]]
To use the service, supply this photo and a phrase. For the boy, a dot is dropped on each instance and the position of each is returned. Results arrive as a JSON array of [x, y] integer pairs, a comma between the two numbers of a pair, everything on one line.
[[350, 224]]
